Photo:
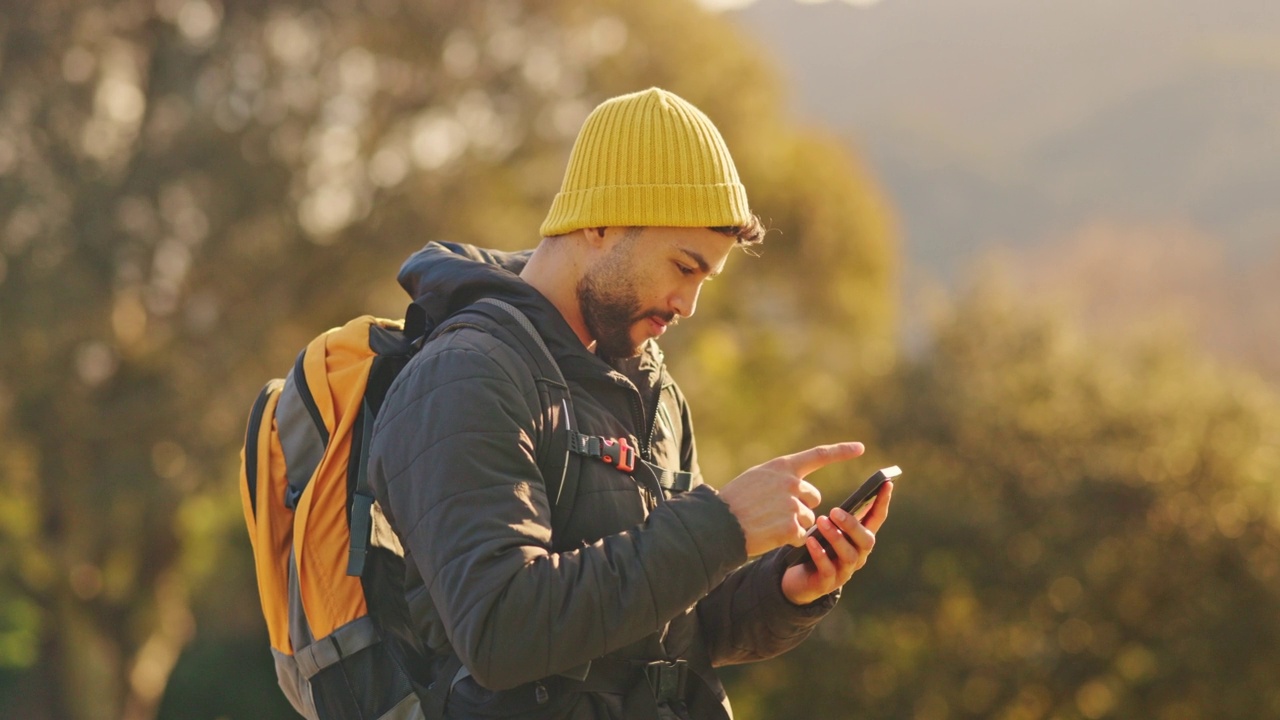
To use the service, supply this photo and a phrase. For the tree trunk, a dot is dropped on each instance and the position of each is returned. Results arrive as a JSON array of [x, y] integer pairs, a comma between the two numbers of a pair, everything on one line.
[[89, 669]]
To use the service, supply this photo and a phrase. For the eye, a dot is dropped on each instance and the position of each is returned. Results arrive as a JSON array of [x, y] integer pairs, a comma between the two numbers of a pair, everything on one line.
[[686, 270]]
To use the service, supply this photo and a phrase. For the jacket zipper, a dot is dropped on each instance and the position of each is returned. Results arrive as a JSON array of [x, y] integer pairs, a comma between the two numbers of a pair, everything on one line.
[[637, 411], [657, 404]]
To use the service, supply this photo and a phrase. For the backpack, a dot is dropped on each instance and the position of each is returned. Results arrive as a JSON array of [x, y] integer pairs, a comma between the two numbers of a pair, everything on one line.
[[330, 569]]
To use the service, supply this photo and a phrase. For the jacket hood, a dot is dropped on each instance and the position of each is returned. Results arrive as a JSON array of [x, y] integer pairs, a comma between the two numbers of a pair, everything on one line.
[[445, 277]]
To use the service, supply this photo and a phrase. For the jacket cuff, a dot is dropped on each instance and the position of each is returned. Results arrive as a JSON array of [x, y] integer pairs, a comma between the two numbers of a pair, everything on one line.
[[721, 543]]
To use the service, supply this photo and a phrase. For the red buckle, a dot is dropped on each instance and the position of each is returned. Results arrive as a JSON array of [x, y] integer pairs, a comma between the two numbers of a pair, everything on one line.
[[626, 458], [626, 455]]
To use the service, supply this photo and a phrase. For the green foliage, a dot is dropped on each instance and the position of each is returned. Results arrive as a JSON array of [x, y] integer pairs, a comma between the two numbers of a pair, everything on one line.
[[1082, 531]]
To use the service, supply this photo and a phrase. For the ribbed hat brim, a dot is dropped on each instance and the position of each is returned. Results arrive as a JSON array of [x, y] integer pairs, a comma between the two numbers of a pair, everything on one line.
[[648, 159], [720, 205]]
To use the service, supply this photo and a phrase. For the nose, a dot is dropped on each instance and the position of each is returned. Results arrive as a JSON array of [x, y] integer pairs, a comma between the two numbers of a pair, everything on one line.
[[685, 301]]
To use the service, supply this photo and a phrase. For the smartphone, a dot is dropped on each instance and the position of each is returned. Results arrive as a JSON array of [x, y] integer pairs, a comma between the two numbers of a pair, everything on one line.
[[852, 505]]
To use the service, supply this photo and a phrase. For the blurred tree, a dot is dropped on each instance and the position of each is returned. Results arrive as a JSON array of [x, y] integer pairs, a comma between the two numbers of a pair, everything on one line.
[[191, 189], [1082, 531]]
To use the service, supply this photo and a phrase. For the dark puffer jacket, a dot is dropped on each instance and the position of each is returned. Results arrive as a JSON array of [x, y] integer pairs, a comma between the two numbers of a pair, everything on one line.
[[628, 575]]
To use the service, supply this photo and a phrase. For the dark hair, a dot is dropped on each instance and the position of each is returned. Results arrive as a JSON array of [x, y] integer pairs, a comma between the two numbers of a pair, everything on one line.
[[750, 233]]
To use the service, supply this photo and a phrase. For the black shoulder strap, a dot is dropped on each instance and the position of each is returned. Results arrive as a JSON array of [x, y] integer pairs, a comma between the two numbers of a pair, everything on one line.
[[554, 458]]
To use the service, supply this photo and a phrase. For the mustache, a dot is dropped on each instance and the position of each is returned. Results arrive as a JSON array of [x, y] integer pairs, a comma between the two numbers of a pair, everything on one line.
[[668, 318]]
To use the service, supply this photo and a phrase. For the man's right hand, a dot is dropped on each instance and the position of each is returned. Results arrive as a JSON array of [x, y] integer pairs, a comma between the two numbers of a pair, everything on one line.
[[772, 501]]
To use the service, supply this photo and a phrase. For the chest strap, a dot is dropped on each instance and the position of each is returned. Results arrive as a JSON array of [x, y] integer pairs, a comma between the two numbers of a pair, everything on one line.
[[611, 451], [619, 453]]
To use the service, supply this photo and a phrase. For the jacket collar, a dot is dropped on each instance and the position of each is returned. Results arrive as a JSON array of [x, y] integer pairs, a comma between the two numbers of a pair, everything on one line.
[[645, 371]]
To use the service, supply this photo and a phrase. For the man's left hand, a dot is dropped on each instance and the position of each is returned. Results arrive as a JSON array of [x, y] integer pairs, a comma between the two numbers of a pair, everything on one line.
[[851, 537]]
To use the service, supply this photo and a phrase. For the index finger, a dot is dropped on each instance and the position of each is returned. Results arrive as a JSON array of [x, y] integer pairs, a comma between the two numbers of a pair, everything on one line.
[[815, 458]]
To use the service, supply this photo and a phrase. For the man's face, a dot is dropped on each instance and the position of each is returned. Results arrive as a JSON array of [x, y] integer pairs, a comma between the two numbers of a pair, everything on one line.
[[644, 279]]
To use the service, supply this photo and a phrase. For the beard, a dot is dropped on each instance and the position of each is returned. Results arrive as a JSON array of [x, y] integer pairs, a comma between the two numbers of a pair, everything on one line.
[[610, 305]]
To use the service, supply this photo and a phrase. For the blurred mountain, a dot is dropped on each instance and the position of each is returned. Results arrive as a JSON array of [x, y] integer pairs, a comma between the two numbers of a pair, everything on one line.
[[1002, 123]]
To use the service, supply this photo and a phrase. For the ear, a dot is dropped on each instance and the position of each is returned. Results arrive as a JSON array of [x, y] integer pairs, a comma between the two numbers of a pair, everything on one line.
[[597, 238]]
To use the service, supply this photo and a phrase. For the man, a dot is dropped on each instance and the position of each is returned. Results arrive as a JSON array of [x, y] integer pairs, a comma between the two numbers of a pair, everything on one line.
[[625, 609]]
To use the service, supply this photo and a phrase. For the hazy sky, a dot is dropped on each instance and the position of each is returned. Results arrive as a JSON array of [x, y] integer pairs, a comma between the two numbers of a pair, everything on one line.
[[1008, 122]]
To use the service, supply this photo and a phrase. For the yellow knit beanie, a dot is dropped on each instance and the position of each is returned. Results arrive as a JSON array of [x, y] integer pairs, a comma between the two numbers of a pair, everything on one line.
[[648, 159]]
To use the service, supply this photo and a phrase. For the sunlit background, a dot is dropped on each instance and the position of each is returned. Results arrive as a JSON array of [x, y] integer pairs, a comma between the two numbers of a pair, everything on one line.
[[1030, 252]]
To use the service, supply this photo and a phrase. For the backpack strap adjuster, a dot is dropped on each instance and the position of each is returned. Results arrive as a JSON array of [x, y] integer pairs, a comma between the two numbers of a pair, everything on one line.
[[667, 679]]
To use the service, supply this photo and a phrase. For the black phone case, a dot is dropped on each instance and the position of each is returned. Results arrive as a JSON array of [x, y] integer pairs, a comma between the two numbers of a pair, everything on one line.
[[863, 495]]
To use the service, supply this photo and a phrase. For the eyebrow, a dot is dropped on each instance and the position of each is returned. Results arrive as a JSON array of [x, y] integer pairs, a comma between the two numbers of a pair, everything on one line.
[[701, 262]]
